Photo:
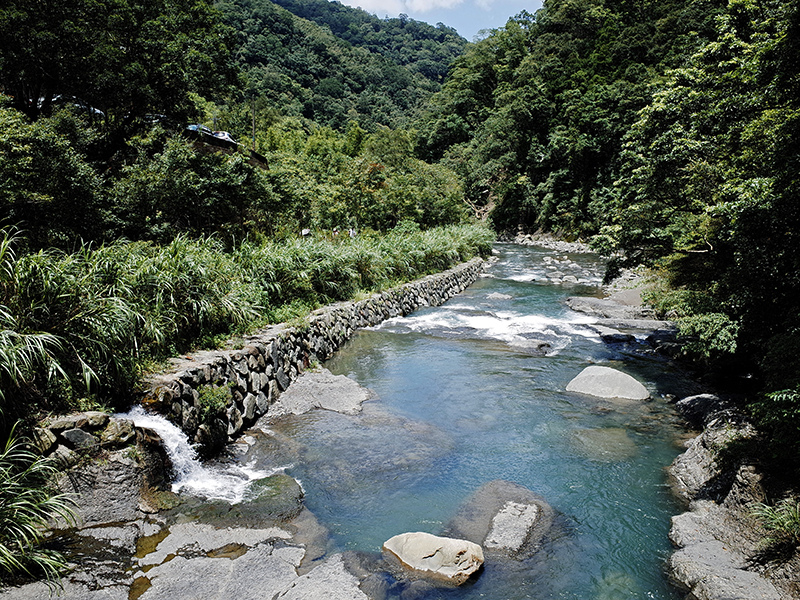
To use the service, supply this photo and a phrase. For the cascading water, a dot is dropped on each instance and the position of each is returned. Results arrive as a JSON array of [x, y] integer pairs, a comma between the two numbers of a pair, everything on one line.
[[227, 482]]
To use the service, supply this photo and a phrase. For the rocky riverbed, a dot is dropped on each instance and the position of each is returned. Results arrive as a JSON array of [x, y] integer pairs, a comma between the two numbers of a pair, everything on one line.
[[139, 541]]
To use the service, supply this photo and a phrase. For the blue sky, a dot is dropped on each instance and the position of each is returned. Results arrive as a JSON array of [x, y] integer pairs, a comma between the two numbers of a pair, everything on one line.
[[466, 16]]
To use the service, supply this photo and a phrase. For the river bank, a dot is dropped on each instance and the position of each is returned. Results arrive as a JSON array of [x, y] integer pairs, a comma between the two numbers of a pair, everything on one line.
[[719, 544], [224, 539]]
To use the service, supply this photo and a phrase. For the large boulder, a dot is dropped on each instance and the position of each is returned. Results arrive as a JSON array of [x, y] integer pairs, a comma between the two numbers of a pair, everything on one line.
[[505, 518], [605, 382], [448, 559]]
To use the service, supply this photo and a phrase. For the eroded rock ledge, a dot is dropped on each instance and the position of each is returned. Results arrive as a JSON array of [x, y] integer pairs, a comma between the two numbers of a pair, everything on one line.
[[271, 359], [717, 538]]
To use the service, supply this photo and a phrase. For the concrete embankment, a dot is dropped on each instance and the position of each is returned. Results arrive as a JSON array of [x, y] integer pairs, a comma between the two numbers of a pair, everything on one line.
[[271, 359]]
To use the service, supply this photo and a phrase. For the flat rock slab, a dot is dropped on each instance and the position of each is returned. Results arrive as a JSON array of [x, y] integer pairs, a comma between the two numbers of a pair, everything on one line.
[[510, 526], [448, 559], [605, 382], [193, 538], [712, 571], [71, 591], [328, 581], [261, 572], [320, 389], [506, 518]]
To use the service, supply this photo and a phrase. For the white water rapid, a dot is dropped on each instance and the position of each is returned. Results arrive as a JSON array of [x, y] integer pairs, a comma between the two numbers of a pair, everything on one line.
[[213, 482]]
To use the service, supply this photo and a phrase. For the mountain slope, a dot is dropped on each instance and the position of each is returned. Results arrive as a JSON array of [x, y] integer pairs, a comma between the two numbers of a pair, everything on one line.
[[303, 69]]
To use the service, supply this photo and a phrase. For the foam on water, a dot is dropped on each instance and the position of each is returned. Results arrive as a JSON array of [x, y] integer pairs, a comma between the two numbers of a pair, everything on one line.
[[212, 482], [518, 330]]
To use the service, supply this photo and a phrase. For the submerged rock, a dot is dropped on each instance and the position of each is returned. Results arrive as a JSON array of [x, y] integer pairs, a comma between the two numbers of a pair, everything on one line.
[[277, 497], [504, 517], [450, 559], [605, 382], [605, 443]]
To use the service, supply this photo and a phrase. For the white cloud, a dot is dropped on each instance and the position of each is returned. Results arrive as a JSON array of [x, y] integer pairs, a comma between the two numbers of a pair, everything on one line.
[[428, 5]]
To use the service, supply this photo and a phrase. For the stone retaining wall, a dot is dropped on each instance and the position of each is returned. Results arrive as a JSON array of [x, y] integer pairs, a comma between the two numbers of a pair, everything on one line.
[[270, 360]]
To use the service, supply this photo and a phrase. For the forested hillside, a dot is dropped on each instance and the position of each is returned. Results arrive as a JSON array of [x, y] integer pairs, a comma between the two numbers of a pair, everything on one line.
[[666, 134], [421, 47], [300, 68]]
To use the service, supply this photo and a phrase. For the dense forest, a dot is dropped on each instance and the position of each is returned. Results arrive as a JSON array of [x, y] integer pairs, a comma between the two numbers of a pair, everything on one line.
[[666, 135], [663, 133]]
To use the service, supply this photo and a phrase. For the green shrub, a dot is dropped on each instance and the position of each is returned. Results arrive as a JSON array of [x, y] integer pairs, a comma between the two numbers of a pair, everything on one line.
[[782, 521], [28, 505], [778, 415]]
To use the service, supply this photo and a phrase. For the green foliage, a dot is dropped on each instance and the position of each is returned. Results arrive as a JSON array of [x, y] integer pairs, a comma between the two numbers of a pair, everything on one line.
[[46, 181], [708, 187], [213, 401], [533, 116], [176, 188], [127, 59], [420, 47], [304, 70], [777, 414], [782, 521], [709, 335], [28, 505]]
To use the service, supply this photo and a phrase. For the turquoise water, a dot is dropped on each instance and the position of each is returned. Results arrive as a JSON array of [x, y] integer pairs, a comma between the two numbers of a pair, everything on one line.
[[466, 393]]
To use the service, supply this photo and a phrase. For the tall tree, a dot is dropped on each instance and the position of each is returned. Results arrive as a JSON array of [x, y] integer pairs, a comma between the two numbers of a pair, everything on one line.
[[119, 59]]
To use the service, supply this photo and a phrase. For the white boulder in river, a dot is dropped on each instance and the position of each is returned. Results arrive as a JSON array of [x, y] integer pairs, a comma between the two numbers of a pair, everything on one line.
[[439, 557], [605, 382]]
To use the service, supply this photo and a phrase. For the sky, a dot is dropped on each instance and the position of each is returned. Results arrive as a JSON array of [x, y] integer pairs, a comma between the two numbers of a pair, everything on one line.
[[468, 17]]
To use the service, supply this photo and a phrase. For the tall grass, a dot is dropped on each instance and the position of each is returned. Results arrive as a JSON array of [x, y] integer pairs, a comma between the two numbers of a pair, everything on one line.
[[28, 504], [83, 324]]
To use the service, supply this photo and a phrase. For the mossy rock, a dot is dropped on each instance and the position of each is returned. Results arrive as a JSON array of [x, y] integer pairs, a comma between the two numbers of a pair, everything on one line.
[[278, 497]]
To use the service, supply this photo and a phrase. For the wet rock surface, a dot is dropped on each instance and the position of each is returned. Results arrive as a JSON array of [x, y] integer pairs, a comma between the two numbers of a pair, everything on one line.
[[505, 518], [717, 538], [320, 389]]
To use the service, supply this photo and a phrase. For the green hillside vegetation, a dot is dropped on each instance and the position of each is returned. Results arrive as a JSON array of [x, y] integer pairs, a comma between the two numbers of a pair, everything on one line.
[[421, 47], [666, 134], [299, 68]]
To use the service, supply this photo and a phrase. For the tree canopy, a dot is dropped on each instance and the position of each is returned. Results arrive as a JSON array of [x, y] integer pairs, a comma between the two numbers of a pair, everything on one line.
[[119, 60]]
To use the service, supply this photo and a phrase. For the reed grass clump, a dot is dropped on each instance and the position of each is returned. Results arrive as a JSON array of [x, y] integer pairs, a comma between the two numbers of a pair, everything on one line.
[[29, 504], [781, 521], [84, 324]]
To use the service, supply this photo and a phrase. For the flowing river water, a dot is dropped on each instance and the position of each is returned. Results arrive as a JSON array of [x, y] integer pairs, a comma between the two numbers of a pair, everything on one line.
[[474, 391]]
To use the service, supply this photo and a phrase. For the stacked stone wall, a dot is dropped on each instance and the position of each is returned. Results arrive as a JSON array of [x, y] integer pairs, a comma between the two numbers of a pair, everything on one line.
[[271, 359]]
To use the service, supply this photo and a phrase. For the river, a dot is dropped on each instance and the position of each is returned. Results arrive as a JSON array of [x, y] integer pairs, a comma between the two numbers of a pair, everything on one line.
[[474, 391]]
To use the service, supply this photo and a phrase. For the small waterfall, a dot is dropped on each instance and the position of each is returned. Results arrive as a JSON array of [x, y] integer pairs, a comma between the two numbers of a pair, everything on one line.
[[212, 482]]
